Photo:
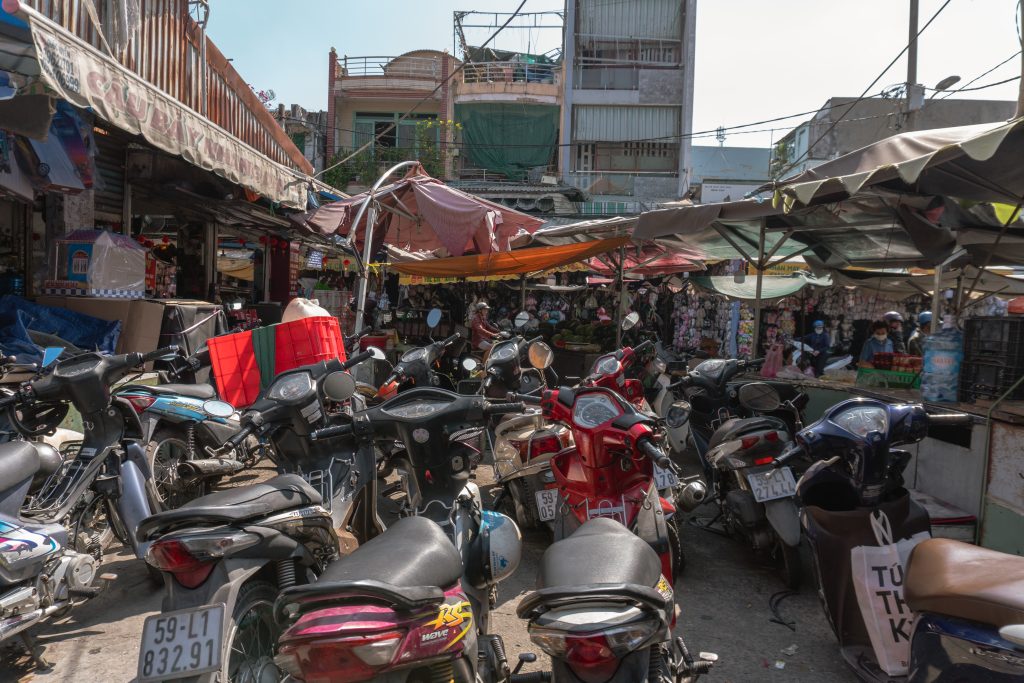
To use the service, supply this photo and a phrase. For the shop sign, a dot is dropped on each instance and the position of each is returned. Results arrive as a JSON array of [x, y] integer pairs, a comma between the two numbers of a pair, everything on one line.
[[86, 78]]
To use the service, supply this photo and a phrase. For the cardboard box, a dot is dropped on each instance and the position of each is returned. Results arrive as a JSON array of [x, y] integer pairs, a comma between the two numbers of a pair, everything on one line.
[[141, 319]]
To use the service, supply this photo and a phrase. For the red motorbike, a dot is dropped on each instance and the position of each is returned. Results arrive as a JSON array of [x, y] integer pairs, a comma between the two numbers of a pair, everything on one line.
[[609, 372], [609, 472]]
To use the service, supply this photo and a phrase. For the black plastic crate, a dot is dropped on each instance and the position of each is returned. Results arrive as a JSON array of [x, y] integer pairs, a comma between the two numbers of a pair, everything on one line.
[[990, 380], [999, 340]]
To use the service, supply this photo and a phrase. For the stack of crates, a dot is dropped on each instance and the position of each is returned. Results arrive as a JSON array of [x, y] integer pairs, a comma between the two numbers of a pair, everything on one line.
[[993, 358]]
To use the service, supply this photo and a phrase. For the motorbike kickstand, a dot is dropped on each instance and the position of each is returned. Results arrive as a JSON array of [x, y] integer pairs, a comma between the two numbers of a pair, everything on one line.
[[35, 651]]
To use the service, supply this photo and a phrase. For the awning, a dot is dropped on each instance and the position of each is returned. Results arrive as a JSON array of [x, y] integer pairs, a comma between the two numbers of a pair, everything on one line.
[[78, 73], [531, 260], [647, 261], [772, 286]]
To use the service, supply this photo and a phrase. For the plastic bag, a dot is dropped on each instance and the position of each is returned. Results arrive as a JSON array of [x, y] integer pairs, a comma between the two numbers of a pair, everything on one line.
[[772, 361], [299, 308]]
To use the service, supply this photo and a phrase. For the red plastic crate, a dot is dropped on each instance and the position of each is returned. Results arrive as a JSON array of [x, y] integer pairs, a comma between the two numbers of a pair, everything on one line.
[[366, 342], [234, 368], [297, 343]]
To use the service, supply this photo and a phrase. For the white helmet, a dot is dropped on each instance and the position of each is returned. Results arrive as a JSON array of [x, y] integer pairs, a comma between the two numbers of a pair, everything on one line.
[[496, 550]]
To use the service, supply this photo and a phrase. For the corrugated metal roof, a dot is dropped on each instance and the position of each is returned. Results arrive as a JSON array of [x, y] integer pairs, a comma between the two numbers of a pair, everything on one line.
[[601, 123]]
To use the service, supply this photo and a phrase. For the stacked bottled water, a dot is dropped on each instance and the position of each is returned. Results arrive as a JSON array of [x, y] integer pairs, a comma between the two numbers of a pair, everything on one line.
[[943, 353]]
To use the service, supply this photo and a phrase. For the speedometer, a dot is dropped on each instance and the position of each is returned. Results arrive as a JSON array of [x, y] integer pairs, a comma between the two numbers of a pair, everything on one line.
[[76, 367], [591, 410], [413, 354], [414, 409], [606, 365]]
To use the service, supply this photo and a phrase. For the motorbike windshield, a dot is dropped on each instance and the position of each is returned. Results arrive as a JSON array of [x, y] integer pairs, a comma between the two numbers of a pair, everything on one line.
[[712, 369], [413, 355], [503, 352], [606, 365]]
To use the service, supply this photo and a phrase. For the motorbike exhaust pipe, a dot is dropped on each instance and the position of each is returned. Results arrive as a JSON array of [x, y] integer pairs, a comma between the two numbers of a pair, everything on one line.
[[692, 495], [209, 468]]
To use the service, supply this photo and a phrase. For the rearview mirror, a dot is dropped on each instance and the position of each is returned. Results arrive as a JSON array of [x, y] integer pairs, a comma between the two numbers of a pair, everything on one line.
[[541, 356], [376, 353], [522, 319], [469, 364], [759, 397], [630, 321], [221, 409], [51, 354], [339, 386], [434, 318]]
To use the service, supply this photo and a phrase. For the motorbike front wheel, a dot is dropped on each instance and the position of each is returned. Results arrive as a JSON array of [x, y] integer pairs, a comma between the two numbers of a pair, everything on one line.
[[165, 451], [252, 635]]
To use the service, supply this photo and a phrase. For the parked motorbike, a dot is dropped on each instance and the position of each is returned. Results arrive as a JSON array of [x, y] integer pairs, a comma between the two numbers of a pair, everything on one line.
[[506, 367], [226, 556], [416, 367], [604, 611], [755, 501], [57, 517], [967, 619], [431, 577], [37, 422]]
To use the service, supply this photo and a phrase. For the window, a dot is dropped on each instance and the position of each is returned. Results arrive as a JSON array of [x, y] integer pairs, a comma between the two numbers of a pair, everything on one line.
[[387, 130], [628, 157]]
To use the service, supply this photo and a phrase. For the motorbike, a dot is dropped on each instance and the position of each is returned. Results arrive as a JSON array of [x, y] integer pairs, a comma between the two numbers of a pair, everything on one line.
[[57, 516], [39, 421], [604, 611], [956, 612], [416, 367], [430, 580], [755, 501], [227, 555]]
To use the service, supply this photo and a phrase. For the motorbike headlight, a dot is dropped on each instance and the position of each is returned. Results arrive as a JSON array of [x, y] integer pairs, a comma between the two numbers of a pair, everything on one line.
[[658, 366], [678, 414], [863, 420], [291, 387]]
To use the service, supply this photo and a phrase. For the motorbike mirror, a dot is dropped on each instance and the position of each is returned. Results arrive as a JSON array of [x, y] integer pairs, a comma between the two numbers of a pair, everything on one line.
[[522, 319], [434, 318], [630, 321], [220, 409], [51, 354], [339, 386], [541, 356], [470, 364], [678, 414], [376, 353], [759, 396]]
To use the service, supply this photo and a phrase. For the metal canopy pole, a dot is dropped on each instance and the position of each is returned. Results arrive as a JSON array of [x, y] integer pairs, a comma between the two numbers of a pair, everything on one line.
[[618, 303], [522, 292], [756, 351], [937, 300], [371, 218]]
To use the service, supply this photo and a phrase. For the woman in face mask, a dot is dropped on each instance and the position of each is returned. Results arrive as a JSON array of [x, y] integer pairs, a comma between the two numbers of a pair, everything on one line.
[[878, 342]]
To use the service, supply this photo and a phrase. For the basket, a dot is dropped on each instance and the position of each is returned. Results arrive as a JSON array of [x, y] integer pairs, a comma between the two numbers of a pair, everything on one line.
[[990, 380], [888, 379], [246, 362], [993, 339]]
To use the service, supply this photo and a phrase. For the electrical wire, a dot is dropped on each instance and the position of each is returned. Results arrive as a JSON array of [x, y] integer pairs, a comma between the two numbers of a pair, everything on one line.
[[866, 90], [965, 86]]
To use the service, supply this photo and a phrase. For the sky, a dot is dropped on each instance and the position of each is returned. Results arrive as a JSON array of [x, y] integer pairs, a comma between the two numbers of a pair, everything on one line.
[[755, 60]]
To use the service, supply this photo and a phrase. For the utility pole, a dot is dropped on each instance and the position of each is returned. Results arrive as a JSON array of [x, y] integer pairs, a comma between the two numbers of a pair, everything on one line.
[[1020, 91], [911, 64]]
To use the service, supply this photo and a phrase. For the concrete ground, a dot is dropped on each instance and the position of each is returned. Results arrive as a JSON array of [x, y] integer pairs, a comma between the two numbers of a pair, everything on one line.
[[723, 594]]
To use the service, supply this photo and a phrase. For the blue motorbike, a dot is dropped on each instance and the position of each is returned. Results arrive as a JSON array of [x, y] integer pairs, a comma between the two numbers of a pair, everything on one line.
[[956, 613]]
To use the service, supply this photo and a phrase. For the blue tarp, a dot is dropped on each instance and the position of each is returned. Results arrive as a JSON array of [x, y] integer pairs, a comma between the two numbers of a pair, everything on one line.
[[18, 316]]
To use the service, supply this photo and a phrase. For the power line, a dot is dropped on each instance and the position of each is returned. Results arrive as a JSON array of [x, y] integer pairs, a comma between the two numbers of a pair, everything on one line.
[[866, 90], [990, 85], [433, 92], [965, 86]]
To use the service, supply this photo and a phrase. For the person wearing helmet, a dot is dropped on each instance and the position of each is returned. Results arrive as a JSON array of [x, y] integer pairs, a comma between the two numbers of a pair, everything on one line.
[[895, 322], [915, 345], [820, 342], [484, 332]]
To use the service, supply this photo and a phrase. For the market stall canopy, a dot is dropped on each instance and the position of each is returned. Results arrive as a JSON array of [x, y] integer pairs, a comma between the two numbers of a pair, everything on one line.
[[421, 213], [646, 261], [899, 285], [772, 286], [530, 260]]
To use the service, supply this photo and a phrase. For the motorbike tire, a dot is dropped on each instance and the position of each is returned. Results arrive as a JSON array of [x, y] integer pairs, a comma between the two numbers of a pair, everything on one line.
[[790, 565], [675, 544], [254, 612], [171, 495], [521, 508]]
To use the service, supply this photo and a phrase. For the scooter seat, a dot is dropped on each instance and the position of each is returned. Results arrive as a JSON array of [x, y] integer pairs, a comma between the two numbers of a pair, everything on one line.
[[960, 580], [600, 551], [738, 427], [283, 492], [412, 553], [191, 390], [19, 460]]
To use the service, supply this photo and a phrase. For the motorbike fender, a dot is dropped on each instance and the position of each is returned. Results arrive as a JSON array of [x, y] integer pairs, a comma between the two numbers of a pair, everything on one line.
[[743, 505], [650, 522], [785, 519], [540, 464], [633, 667], [133, 503]]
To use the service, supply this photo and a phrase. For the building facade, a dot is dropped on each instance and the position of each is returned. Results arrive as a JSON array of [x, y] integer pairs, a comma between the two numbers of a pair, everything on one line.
[[308, 132]]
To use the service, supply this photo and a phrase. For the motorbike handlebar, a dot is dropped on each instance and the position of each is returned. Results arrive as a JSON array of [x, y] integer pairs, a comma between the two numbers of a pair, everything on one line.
[[657, 456], [356, 359], [236, 440], [532, 677], [792, 450], [331, 432], [502, 408], [452, 339], [539, 337], [951, 420], [159, 353], [753, 363], [643, 346], [525, 398]]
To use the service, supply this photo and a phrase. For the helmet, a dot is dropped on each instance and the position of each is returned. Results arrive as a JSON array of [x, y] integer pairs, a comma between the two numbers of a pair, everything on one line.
[[891, 316], [495, 552], [819, 323], [924, 318]]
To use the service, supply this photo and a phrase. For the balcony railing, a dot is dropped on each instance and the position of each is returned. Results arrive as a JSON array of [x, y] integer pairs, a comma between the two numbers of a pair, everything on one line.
[[426, 68], [510, 72]]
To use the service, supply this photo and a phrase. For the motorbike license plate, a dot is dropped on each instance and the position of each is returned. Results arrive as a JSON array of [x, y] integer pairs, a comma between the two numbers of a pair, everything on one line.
[[780, 484], [547, 504], [182, 643], [665, 479]]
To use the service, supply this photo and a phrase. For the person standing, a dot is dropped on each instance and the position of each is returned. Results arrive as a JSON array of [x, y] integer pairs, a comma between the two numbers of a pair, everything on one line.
[[895, 322], [878, 342], [820, 343], [484, 333], [915, 345]]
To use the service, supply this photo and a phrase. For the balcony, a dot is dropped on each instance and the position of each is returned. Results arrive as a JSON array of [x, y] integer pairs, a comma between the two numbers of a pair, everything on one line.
[[504, 81], [402, 73]]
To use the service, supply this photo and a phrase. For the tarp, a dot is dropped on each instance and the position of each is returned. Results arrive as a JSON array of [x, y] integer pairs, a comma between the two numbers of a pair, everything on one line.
[[420, 213], [649, 260], [508, 137], [86, 78], [19, 316], [530, 260], [902, 285], [772, 286]]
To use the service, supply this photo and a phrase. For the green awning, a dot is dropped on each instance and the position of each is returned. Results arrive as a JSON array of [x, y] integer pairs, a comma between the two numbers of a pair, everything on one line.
[[508, 137], [772, 286]]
